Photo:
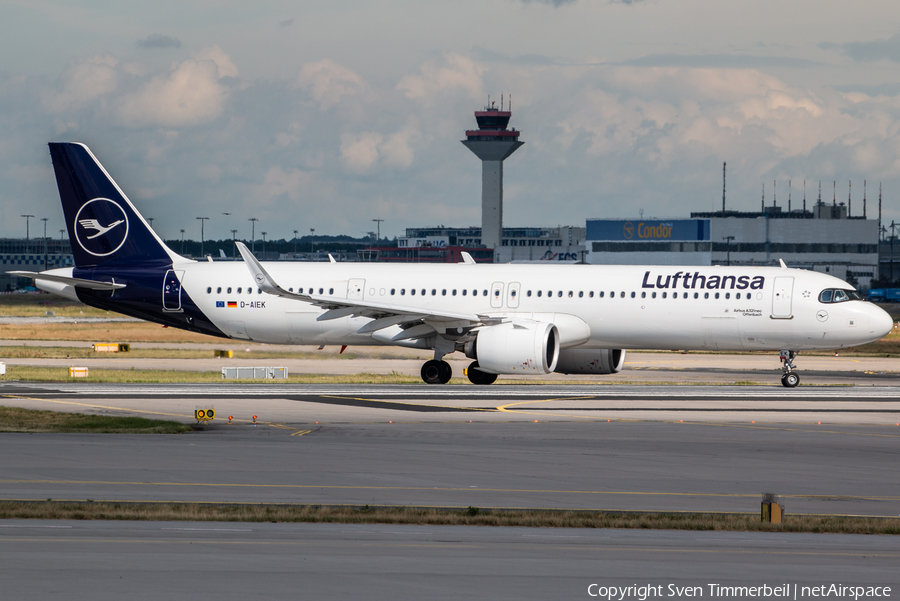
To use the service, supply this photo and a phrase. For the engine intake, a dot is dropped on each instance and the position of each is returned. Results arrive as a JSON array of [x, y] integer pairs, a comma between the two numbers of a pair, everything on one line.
[[590, 361], [523, 347]]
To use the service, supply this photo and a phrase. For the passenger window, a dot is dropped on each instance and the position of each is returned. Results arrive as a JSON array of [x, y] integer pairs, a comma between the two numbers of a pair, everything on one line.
[[241, 290], [412, 291], [209, 290], [570, 294], [444, 292], [310, 291], [402, 291], [727, 295], [331, 291], [559, 294], [513, 293], [219, 290], [321, 290], [717, 295], [465, 291], [528, 293], [664, 295], [601, 294], [652, 295], [632, 295], [696, 295], [393, 290], [539, 293], [484, 293], [591, 294], [622, 294], [454, 292], [434, 292], [643, 295], [685, 295], [706, 295], [497, 294], [259, 290]]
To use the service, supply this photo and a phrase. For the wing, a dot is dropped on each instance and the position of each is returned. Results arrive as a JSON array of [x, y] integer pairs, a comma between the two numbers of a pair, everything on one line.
[[416, 322]]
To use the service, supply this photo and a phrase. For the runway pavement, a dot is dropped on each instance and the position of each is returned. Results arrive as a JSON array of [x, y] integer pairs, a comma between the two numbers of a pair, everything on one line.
[[825, 450], [640, 367], [95, 561], [617, 448]]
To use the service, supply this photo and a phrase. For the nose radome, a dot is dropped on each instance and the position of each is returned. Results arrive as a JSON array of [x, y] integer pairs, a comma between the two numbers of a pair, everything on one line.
[[881, 321]]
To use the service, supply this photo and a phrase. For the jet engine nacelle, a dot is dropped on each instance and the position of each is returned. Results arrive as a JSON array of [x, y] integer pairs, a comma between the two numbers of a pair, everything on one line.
[[590, 361], [522, 347]]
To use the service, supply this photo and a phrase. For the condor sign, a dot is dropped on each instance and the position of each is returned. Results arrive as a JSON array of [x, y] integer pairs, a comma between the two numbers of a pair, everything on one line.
[[650, 230]]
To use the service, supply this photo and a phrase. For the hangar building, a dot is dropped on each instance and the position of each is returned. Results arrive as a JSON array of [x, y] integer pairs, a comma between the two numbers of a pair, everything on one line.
[[824, 240]]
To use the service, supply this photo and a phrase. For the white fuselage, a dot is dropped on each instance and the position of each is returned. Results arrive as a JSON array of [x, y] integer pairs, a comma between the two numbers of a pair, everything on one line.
[[626, 307]]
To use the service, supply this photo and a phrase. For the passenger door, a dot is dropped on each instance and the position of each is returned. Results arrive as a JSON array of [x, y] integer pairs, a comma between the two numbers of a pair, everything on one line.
[[171, 293], [781, 297]]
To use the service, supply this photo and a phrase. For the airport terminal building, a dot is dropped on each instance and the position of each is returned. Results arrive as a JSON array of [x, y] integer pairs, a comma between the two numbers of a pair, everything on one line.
[[824, 240]]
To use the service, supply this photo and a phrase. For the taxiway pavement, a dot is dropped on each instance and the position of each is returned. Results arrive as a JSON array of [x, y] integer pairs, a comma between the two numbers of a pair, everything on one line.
[[184, 560], [580, 447]]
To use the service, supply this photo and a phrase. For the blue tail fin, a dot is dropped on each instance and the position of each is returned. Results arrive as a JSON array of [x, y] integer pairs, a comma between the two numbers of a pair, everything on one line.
[[104, 227]]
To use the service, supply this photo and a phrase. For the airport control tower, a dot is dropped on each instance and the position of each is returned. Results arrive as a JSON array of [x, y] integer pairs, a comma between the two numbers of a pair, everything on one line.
[[492, 142]]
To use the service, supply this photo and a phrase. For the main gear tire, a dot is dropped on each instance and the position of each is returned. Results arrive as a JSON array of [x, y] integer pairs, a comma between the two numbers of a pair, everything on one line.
[[478, 377]]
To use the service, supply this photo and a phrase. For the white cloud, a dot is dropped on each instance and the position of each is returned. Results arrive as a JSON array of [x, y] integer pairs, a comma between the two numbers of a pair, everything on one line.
[[85, 82], [360, 152], [222, 60], [190, 94], [457, 72], [327, 82], [279, 182]]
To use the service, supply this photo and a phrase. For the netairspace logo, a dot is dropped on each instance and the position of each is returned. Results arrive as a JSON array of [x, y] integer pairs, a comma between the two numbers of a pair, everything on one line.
[[721, 591]]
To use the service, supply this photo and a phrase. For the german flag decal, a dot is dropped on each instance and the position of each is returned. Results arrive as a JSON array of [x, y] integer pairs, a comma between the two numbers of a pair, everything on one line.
[[232, 305]]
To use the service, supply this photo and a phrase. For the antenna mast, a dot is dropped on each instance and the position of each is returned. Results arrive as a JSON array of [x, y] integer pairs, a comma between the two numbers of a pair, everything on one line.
[[723, 189]]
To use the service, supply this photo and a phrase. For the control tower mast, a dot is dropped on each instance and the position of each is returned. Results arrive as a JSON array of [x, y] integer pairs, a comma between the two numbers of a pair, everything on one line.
[[492, 142]]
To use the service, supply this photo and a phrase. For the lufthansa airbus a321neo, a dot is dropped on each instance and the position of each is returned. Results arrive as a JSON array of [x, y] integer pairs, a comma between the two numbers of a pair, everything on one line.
[[510, 319]]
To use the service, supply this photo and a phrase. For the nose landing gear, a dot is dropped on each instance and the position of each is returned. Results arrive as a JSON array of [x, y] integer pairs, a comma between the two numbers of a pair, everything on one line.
[[789, 379]]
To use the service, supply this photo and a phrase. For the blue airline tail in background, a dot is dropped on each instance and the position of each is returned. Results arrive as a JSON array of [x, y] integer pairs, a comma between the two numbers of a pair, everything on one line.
[[104, 227], [120, 263]]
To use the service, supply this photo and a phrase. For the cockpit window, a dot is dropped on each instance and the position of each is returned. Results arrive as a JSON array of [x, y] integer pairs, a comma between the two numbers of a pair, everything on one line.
[[838, 296]]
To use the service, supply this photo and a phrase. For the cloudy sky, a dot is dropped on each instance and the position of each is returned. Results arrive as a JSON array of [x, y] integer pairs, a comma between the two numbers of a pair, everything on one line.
[[327, 115]]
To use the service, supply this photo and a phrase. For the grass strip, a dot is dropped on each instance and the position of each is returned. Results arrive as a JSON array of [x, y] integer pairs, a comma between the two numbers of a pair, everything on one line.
[[70, 352], [15, 419], [150, 376], [470, 516]]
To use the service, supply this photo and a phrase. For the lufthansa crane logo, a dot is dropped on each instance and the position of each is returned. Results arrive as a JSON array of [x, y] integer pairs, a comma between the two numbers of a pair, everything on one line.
[[101, 227], [628, 230]]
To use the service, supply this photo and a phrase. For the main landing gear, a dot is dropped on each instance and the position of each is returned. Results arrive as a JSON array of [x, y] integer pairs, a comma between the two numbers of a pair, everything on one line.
[[436, 372], [440, 372], [478, 377], [789, 379]]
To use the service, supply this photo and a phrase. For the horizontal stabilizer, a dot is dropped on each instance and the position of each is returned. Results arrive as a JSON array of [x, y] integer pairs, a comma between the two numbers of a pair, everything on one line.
[[77, 282]]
